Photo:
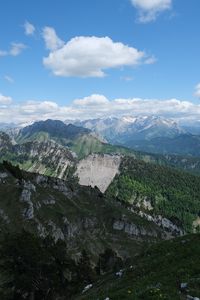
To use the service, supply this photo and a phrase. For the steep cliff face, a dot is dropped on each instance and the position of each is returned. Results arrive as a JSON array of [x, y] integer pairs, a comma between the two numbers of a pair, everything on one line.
[[47, 158], [98, 170]]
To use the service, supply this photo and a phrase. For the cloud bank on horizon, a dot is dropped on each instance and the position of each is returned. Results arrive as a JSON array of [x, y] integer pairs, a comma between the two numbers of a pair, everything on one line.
[[97, 106]]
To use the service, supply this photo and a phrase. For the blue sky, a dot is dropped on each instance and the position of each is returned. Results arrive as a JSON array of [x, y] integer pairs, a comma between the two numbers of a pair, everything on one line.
[[157, 58]]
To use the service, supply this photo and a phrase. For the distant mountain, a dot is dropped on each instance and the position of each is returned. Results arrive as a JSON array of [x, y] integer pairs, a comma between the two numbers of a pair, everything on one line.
[[193, 128], [183, 144], [53, 149], [125, 129], [79, 140], [51, 129], [150, 134], [5, 126]]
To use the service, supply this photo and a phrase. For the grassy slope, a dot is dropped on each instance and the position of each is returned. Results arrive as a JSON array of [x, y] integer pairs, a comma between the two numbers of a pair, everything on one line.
[[156, 274], [87, 144]]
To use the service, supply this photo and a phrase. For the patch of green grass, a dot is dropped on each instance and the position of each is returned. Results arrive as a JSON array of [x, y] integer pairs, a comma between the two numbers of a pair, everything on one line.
[[155, 274]]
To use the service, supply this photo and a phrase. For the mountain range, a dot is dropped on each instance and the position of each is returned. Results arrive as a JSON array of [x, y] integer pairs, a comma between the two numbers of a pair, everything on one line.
[[152, 134], [85, 219], [34, 142], [58, 150]]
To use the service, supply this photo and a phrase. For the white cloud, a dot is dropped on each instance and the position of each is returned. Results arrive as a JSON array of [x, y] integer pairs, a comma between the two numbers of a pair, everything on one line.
[[86, 56], [148, 10], [9, 79], [197, 91], [93, 100], [16, 48], [5, 100], [150, 60], [32, 107], [52, 41], [96, 106], [29, 28]]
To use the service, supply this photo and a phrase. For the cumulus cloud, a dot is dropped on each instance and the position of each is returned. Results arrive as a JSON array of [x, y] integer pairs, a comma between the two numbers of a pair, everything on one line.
[[5, 100], [87, 56], [148, 10], [29, 28], [197, 91], [52, 41], [97, 106], [93, 100]]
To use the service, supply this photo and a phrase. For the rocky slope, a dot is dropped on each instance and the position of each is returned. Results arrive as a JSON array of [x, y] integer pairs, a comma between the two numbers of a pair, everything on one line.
[[47, 158], [53, 233], [98, 170], [80, 215], [59, 238]]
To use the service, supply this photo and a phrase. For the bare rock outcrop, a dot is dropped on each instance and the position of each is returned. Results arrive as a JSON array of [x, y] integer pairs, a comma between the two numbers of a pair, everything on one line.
[[98, 170]]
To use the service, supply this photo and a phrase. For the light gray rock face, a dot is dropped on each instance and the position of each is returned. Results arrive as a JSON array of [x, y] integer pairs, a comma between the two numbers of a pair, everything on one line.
[[3, 175], [28, 188], [98, 170], [4, 217], [133, 229], [159, 220], [57, 233], [49, 201], [42, 231]]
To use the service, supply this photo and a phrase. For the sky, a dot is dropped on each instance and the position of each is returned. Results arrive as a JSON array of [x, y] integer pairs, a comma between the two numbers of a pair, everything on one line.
[[72, 59]]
